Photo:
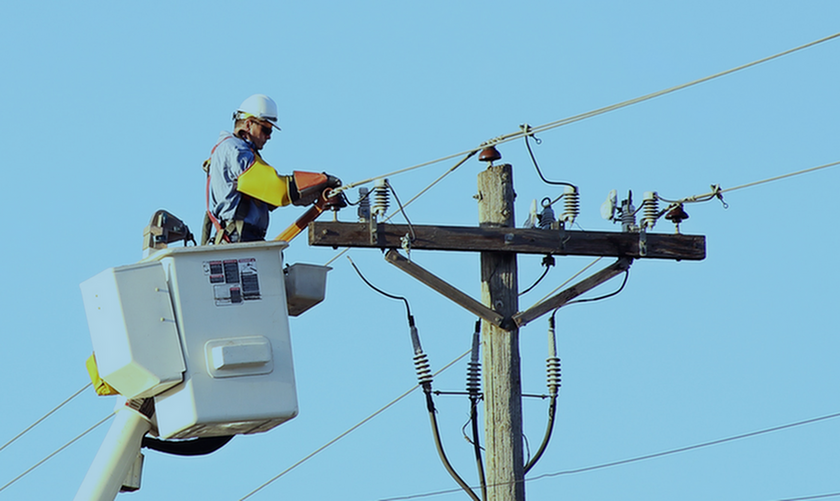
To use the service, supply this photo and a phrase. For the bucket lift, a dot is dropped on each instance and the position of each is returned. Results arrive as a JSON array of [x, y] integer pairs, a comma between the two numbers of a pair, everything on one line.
[[196, 342]]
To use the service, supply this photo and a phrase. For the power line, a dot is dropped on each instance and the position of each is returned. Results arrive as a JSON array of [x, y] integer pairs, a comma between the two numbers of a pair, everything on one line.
[[45, 416], [349, 430], [529, 131], [717, 190], [819, 496], [68, 444], [652, 456], [415, 197]]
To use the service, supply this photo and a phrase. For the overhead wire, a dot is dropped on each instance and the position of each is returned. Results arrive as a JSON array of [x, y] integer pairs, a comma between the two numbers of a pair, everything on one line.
[[68, 444], [530, 131], [412, 199], [649, 456], [45, 416], [718, 190], [818, 496]]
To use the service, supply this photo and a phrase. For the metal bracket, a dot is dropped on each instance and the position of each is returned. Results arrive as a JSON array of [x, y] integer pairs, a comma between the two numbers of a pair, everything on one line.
[[561, 231], [642, 242]]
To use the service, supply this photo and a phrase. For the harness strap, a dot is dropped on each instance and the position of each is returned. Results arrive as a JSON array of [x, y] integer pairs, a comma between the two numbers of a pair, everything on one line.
[[221, 233]]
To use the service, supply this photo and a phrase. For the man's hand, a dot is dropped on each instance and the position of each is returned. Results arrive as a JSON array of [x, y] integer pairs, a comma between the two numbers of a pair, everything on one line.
[[308, 186]]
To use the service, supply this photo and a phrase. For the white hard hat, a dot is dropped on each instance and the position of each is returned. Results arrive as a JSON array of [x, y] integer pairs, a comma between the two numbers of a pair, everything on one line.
[[259, 106]]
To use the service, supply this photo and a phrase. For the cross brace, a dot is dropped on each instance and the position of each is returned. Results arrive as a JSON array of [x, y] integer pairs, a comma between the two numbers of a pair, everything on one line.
[[519, 319]]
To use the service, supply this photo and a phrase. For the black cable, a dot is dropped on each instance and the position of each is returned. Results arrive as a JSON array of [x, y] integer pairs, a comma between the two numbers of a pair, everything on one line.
[[605, 296], [195, 447], [427, 388], [552, 406], [474, 387], [527, 129], [366, 195], [399, 298], [552, 410], [430, 406], [548, 262]]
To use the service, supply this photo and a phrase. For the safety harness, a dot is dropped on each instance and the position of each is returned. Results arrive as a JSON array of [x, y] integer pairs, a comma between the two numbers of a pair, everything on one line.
[[222, 233]]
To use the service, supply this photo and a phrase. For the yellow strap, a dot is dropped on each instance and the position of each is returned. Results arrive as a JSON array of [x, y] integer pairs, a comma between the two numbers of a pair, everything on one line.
[[262, 182]]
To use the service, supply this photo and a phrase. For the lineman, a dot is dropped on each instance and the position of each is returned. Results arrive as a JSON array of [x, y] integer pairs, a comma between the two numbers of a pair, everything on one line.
[[241, 188]]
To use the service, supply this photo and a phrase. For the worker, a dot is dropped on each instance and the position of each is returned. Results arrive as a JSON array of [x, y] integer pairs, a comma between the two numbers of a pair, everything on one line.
[[241, 188]]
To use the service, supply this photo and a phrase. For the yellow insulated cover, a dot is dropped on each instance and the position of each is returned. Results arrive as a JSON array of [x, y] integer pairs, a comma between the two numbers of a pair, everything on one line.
[[262, 182]]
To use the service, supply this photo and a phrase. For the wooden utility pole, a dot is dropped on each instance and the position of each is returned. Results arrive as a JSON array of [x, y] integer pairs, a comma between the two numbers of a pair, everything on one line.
[[502, 381], [499, 243]]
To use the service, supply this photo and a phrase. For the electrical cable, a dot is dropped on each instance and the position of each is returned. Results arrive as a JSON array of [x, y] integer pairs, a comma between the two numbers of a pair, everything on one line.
[[651, 456], [350, 430], [392, 296], [600, 111], [439, 446], [526, 128], [474, 391], [553, 383], [194, 447], [45, 416], [548, 262], [400, 205], [717, 190], [605, 296], [579, 273], [544, 273], [68, 444], [415, 197], [818, 496], [425, 380]]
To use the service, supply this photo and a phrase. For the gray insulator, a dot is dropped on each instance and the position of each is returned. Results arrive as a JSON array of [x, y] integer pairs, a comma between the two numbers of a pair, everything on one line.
[[547, 217], [421, 366], [628, 217], [474, 378], [552, 368]]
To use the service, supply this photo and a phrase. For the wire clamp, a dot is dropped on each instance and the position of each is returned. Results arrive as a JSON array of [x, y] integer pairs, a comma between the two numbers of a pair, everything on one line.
[[405, 243], [718, 193], [561, 233]]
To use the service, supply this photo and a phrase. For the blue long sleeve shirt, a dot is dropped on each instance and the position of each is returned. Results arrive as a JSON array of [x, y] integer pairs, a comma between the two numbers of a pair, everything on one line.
[[230, 158]]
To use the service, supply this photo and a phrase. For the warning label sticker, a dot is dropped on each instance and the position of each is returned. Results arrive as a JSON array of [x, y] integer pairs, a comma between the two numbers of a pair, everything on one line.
[[234, 281]]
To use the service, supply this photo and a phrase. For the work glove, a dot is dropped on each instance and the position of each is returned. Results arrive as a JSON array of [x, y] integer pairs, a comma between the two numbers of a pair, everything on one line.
[[306, 187]]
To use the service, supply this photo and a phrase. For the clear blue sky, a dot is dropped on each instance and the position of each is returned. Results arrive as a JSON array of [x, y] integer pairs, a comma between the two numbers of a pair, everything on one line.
[[109, 110]]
